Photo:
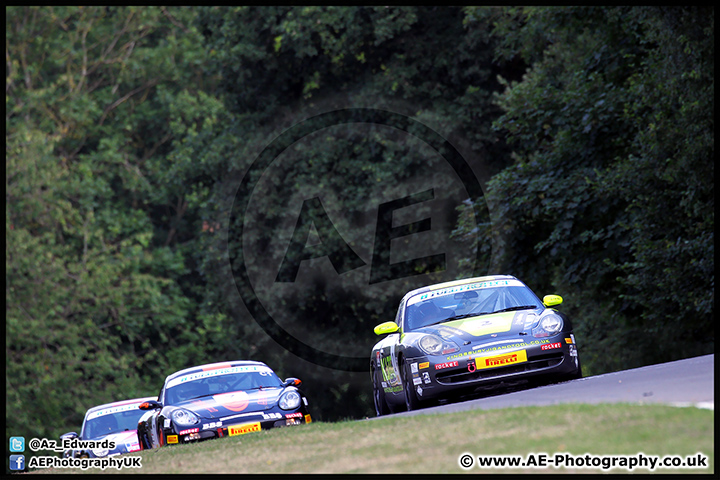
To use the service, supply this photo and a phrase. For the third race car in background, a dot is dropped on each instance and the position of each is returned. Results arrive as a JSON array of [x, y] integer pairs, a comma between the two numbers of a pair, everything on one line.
[[219, 400], [115, 422], [467, 336]]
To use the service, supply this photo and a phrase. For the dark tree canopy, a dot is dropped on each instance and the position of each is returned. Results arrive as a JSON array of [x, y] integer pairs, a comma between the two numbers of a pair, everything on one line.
[[129, 131]]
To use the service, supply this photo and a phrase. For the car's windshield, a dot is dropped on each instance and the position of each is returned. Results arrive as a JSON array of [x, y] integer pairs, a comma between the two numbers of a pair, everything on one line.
[[219, 380], [467, 300], [111, 420]]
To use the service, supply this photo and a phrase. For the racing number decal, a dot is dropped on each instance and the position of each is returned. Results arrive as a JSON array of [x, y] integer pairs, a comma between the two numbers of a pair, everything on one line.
[[389, 368], [395, 368], [385, 368], [387, 361]]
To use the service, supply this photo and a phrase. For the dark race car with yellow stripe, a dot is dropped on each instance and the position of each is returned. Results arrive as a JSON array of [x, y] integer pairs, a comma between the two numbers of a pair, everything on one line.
[[220, 400], [467, 337]]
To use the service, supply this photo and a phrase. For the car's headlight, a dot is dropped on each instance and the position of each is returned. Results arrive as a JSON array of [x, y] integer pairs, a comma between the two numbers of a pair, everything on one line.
[[548, 326], [184, 417], [434, 345], [100, 452], [289, 400]]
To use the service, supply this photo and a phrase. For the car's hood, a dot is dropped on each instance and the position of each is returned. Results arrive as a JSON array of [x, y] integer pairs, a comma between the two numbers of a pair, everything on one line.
[[222, 404], [126, 441], [492, 325]]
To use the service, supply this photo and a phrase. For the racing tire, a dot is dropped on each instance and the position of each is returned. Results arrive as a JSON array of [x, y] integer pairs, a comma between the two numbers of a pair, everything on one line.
[[560, 379], [579, 373], [411, 400], [381, 406]]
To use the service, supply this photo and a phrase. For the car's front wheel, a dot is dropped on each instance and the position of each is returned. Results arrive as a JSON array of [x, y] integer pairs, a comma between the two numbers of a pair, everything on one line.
[[411, 400], [578, 374]]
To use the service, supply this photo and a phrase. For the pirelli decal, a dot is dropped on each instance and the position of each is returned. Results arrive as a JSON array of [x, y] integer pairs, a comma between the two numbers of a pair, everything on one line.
[[242, 429], [501, 360]]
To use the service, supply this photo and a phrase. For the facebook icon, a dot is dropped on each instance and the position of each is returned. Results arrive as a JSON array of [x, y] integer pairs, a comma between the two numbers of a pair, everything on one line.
[[17, 462]]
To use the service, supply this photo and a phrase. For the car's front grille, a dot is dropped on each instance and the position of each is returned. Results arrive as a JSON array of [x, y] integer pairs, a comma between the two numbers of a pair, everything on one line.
[[540, 362]]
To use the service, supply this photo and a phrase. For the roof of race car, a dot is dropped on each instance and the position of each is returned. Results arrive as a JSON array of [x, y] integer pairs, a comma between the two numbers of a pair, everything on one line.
[[119, 403], [213, 366], [455, 283]]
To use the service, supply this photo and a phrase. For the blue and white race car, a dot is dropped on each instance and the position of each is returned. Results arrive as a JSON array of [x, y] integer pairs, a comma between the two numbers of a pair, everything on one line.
[[219, 400], [111, 427]]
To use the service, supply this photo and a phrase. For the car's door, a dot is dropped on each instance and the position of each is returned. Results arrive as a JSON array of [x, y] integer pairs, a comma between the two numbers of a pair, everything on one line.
[[387, 362]]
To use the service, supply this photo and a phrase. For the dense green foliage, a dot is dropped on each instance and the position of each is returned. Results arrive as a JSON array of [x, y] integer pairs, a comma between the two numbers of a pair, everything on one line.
[[101, 294], [129, 131], [612, 182]]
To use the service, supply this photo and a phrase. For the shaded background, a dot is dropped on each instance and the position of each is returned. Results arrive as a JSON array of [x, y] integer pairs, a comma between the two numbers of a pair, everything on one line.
[[129, 130]]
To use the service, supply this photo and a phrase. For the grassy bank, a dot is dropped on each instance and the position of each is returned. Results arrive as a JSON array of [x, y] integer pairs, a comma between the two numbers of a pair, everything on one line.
[[434, 443]]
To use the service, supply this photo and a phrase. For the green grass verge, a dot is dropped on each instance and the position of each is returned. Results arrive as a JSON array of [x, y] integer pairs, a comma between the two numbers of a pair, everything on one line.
[[434, 443]]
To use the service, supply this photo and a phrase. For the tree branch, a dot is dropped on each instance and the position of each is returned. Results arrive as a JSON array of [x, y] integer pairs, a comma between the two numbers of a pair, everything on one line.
[[122, 99]]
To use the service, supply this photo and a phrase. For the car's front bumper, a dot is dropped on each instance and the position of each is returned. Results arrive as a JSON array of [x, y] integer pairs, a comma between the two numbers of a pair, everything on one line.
[[494, 364], [90, 454], [219, 428]]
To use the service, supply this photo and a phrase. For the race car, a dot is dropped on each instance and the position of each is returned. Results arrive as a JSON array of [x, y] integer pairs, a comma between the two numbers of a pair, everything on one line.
[[469, 337], [113, 428], [219, 400]]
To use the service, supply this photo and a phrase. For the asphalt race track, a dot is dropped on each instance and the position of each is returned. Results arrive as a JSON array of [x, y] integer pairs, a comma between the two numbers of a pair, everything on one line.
[[682, 383]]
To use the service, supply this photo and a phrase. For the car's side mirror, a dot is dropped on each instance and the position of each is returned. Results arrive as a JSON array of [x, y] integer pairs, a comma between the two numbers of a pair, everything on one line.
[[387, 327], [550, 300], [292, 382], [150, 405], [69, 435]]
